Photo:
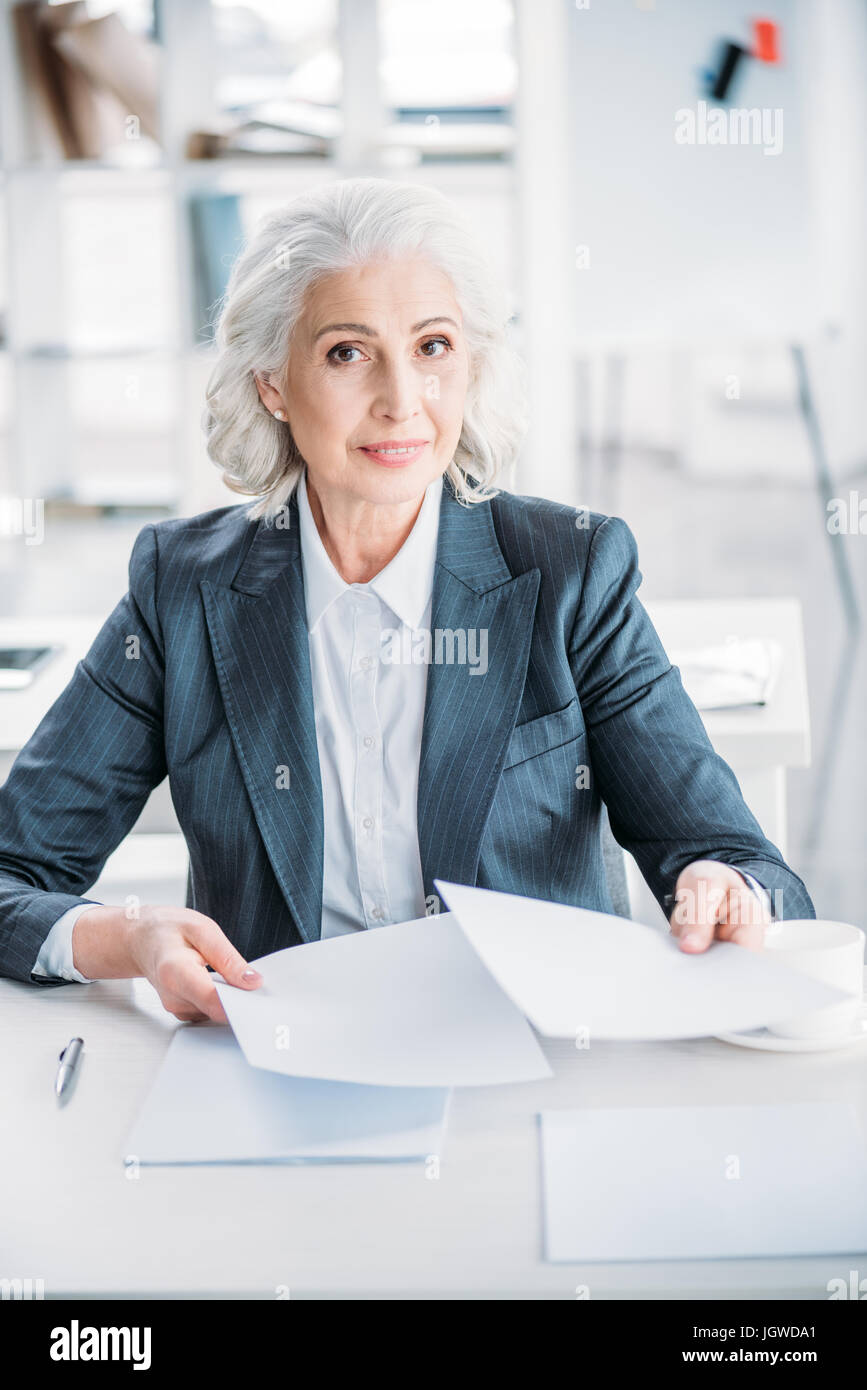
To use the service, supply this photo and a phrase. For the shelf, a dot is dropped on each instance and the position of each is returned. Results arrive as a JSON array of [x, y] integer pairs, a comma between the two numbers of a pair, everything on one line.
[[51, 168], [96, 176], [37, 204], [119, 353]]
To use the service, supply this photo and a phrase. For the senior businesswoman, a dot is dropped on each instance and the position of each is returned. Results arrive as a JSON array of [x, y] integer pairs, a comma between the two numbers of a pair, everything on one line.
[[382, 671]]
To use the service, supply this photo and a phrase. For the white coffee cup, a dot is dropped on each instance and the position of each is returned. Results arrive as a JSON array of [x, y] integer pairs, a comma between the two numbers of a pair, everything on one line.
[[829, 951]]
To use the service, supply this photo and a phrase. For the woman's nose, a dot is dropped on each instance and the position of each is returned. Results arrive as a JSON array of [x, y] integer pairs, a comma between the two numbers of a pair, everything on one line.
[[399, 390]]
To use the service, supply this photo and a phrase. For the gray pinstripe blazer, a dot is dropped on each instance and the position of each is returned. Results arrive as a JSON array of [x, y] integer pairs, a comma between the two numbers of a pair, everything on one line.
[[216, 694]]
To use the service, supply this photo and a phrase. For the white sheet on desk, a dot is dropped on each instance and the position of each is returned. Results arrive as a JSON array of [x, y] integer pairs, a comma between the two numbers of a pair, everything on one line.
[[208, 1105], [570, 971], [408, 1004], [660, 1184], [730, 675]]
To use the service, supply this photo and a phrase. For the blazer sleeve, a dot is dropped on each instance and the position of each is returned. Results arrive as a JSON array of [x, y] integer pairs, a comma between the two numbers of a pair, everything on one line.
[[671, 799], [81, 781]]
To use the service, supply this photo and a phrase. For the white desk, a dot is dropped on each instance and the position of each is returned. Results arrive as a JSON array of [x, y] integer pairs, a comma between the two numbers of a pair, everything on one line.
[[71, 1216]]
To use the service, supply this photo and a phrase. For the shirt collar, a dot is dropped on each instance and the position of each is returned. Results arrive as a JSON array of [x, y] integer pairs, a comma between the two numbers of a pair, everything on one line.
[[406, 583]]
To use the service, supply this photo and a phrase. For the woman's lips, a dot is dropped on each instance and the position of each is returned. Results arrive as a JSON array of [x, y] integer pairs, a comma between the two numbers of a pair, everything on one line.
[[393, 456]]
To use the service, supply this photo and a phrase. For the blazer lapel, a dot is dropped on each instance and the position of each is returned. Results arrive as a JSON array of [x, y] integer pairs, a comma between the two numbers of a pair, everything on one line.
[[469, 713], [258, 633]]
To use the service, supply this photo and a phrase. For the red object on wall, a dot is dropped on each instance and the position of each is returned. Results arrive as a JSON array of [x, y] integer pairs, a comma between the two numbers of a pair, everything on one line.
[[766, 41]]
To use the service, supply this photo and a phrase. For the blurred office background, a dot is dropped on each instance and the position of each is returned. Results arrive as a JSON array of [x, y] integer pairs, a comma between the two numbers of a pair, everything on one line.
[[693, 315]]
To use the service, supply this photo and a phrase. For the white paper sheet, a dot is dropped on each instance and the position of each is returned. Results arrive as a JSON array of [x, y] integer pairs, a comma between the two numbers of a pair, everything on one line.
[[208, 1105], [408, 1004], [703, 1182], [732, 675], [570, 970]]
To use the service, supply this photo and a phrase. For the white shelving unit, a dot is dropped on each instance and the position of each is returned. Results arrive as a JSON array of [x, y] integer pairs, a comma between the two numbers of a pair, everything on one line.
[[41, 354]]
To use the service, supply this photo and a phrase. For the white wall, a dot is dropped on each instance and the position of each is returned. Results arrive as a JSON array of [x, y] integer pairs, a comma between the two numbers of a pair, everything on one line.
[[684, 240], [708, 260]]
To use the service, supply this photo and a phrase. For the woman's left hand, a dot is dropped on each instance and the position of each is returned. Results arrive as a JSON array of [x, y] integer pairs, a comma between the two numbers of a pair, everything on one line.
[[712, 901]]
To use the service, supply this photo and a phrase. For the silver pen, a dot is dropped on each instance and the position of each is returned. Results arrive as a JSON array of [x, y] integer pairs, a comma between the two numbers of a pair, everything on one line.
[[68, 1062]]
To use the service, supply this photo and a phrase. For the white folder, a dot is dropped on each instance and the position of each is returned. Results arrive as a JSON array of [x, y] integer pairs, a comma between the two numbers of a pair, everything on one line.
[[209, 1105]]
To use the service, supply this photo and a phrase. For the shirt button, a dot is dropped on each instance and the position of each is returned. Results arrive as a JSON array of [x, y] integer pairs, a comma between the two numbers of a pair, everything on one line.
[[367, 822], [377, 913], [366, 662], [368, 741]]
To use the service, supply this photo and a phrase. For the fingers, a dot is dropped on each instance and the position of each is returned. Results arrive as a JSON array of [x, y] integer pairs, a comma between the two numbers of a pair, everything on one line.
[[749, 934], [712, 900], [182, 1008], [743, 919], [699, 897], [186, 988], [217, 950], [173, 950]]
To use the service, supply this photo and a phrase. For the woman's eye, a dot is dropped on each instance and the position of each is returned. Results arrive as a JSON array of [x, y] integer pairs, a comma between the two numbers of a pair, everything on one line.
[[342, 347], [440, 347], [437, 342]]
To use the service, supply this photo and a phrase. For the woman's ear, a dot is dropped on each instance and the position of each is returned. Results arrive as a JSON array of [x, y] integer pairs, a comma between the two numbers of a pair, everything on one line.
[[268, 394]]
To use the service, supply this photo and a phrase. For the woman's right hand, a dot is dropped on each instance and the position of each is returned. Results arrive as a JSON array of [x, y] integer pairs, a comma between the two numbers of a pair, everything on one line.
[[170, 946]]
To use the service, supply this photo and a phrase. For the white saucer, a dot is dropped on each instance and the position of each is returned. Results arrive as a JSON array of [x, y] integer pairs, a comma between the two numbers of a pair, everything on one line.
[[770, 1042]]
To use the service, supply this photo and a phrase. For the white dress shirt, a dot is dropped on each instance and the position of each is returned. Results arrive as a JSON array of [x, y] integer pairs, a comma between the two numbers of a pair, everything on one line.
[[369, 715]]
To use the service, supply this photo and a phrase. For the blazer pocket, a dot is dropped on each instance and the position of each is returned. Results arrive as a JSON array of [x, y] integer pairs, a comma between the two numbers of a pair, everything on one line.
[[547, 732]]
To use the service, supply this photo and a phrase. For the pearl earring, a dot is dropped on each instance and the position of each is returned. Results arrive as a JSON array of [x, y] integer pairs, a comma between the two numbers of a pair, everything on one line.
[[278, 415]]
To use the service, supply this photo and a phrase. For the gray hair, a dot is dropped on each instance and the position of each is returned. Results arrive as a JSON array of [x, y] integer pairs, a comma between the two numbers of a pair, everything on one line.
[[333, 227]]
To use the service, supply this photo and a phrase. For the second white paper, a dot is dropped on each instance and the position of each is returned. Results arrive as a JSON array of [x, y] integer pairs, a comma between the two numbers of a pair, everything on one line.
[[570, 970]]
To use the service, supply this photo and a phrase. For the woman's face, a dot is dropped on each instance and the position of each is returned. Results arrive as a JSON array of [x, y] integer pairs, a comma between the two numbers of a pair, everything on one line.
[[378, 358]]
